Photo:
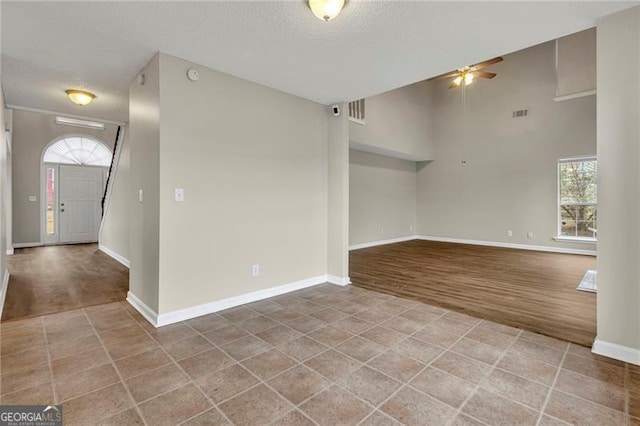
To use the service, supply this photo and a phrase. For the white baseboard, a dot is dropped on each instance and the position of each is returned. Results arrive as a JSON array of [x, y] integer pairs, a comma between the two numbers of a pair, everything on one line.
[[144, 310], [382, 242], [26, 245], [615, 351], [114, 255], [510, 245], [3, 289], [10, 251], [333, 279], [219, 305]]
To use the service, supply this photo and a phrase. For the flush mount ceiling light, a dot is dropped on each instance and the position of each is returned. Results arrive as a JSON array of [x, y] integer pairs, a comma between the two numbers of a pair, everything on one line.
[[326, 9], [80, 97]]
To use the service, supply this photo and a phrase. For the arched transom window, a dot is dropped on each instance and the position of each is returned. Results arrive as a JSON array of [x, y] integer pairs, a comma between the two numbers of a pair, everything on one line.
[[79, 150]]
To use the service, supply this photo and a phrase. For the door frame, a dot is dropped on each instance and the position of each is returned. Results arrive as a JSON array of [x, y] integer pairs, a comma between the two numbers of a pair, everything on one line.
[[55, 239]]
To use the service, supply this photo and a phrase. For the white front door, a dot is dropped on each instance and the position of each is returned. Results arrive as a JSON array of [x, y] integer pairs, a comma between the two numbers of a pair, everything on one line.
[[80, 203]]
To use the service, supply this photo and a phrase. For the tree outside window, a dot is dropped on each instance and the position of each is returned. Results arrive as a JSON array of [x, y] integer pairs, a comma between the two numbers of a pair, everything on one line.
[[578, 202]]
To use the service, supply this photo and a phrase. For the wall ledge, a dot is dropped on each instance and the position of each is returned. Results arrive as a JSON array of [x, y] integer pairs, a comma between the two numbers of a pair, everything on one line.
[[510, 245], [615, 351], [219, 305], [382, 242], [144, 310], [27, 245], [123, 260], [333, 279]]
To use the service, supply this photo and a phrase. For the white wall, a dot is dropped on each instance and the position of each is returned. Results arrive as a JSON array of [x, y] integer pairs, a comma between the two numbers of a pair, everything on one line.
[[8, 188], [114, 233], [6, 140], [253, 165], [509, 181], [619, 186], [144, 222], [382, 197], [32, 131], [397, 124]]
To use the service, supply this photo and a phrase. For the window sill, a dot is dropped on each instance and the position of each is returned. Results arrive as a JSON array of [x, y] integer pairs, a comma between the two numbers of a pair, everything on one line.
[[576, 240]]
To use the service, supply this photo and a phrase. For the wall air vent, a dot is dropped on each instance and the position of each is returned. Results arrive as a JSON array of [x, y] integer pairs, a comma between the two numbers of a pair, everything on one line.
[[520, 113], [356, 111]]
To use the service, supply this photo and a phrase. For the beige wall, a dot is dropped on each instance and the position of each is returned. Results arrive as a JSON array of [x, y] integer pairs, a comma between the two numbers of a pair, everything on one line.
[[398, 124], [619, 184], [114, 234], [382, 201], [509, 181], [253, 165], [32, 132], [576, 63], [338, 199], [144, 221]]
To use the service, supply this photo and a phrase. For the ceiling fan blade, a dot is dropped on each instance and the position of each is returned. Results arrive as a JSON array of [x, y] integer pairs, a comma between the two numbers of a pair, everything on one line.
[[485, 64], [447, 75], [483, 74]]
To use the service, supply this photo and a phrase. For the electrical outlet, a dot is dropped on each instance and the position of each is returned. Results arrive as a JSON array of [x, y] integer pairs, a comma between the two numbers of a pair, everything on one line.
[[140, 195], [411, 228], [530, 235], [509, 233], [381, 229], [33, 198], [255, 270]]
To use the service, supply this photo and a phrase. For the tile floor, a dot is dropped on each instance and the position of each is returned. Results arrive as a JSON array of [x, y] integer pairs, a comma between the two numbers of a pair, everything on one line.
[[325, 355]]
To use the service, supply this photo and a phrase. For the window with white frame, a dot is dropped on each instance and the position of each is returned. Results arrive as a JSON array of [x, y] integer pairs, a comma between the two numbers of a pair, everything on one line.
[[578, 198], [78, 150]]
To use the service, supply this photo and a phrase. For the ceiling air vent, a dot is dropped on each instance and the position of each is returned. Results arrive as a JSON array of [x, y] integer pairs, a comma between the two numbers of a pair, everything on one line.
[[356, 111], [520, 113]]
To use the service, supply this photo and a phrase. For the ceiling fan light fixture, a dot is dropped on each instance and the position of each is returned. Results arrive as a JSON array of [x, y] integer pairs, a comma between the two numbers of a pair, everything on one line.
[[80, 97], [468, 79], [326, 10], [457, 80]]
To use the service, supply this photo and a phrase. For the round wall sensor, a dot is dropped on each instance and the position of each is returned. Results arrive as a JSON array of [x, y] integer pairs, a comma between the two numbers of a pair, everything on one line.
[[193, 75]]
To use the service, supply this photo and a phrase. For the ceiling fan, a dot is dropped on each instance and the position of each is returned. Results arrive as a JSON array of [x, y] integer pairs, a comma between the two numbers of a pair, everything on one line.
[[467, 74]]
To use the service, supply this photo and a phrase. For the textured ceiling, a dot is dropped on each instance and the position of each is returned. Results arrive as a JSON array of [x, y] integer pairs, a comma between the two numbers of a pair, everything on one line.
[[371, 47]]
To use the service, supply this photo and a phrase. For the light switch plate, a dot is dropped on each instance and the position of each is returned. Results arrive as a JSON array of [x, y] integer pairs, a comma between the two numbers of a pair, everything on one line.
[[179, 195], [33, 198], [140, 197]]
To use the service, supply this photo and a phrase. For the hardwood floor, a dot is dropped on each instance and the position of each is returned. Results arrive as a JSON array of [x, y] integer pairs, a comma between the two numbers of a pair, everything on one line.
[[51, 279], [535, 291]]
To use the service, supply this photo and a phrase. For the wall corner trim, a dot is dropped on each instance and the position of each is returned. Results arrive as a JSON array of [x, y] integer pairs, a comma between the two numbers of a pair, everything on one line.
[[219, 305], [114, 255], [149, 314], [510, 245], [3, 289], [382, 242], [333, 279], [615, 351]]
